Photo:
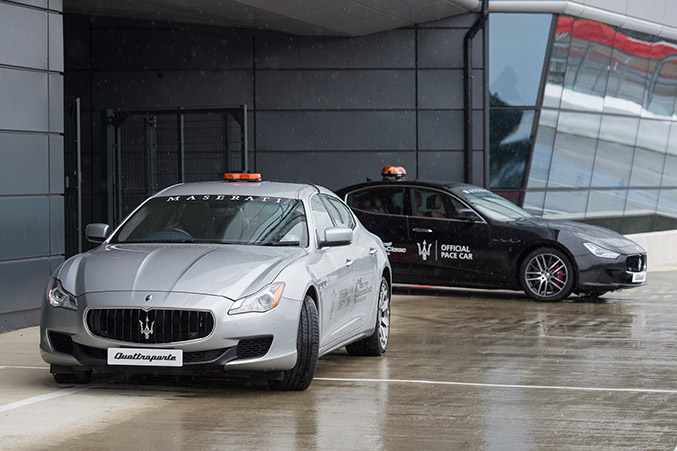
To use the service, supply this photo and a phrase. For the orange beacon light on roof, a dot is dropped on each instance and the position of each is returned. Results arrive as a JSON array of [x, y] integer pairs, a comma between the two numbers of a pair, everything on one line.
[[241, 176], [393, 173]]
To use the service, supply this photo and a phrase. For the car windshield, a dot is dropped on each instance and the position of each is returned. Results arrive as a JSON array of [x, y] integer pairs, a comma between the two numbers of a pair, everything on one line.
[[493, 205], [223, 219]]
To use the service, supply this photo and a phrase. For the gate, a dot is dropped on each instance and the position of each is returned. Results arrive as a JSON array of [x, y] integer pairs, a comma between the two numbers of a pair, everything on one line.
[[151, 149]]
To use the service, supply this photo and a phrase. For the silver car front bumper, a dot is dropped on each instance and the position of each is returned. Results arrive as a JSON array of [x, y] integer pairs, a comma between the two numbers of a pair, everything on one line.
[[66, 338]]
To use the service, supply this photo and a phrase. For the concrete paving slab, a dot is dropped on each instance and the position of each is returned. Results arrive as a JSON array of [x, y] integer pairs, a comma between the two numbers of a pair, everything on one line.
[[465, 369]]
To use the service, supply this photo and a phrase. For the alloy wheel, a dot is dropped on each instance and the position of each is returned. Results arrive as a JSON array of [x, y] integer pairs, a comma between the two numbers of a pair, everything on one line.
[[384, 314], [546, 275]]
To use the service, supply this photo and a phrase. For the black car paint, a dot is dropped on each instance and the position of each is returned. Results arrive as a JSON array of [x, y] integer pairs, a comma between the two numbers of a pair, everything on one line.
[[500, 246]]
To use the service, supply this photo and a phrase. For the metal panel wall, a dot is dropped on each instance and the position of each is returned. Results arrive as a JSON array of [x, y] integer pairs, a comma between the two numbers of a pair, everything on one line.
[[351, 105], [31, 147]]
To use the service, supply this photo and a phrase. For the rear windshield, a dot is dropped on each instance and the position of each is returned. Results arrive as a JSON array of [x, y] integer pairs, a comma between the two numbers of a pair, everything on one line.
[[217, 219]]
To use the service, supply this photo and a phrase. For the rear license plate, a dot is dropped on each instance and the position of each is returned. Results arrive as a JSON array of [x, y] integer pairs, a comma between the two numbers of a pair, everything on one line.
[[145, 357], [639, 277]]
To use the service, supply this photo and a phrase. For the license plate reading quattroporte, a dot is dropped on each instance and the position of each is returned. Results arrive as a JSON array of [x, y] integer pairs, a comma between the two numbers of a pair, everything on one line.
[[145, 357], [639, 277]]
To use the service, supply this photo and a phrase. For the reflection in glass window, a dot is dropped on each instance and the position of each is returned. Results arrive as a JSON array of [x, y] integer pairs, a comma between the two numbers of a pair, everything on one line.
[[652, 140], [518, 43], [558, 63], [670, 171], [613, 160], [608, 126], [640, 211], [542, 154], [667, 208], [630, 63], [606, 203], [510, 141], [533, 202], [565, 204], [574, 152], [587, 72], [662, 81], [672, 140], [641, 202]]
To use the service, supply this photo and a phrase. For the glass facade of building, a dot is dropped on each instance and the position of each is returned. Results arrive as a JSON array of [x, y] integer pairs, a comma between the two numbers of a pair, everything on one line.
[[583, 121]]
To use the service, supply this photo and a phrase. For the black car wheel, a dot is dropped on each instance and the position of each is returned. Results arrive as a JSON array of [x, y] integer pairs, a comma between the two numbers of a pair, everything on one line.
[[307, 344], [547, 275], [377, 343]]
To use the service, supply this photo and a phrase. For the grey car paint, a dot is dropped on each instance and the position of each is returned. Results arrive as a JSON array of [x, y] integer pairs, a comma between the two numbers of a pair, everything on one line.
[[344, 278]]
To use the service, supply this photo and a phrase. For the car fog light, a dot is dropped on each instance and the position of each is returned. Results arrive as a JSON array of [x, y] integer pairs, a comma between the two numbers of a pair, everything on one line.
[[261, 301], [58, 297]]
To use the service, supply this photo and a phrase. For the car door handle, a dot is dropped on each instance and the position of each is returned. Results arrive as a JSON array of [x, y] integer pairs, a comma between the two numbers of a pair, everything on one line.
[[349, 262], [421, 230], [372, 250]]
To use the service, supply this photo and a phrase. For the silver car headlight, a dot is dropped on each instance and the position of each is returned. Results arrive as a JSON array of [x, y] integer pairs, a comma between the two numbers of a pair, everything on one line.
[[600, 252], [261, 301], [58, 297]]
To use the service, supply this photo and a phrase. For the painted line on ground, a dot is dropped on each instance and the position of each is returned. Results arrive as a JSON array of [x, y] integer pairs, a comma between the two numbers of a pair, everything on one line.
[[15, 367], [476, 384], [47, 397]]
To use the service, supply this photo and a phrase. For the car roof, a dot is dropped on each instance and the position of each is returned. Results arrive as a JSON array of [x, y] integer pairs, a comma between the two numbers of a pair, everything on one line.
[[288, 190], [445, 185]]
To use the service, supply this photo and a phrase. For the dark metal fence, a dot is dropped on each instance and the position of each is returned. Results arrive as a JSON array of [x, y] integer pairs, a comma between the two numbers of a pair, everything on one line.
[[152, 149]]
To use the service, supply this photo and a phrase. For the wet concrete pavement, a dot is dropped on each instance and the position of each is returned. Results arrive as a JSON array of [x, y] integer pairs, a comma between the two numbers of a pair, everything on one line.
[[464, 370]]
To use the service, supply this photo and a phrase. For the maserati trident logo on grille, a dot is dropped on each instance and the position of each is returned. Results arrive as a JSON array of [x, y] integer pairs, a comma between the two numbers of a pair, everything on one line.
[[146, 331], [148, 298]]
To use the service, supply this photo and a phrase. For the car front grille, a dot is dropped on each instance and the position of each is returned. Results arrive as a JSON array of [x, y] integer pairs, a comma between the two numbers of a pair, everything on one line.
[[134, 325], [636, 263]]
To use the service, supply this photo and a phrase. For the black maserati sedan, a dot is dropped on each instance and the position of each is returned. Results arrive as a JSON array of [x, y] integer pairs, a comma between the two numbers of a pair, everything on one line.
[[454, 234]]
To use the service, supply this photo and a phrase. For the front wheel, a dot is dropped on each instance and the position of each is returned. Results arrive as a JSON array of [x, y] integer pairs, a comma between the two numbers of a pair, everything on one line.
[[377, 343], [307, 345], [547, 275]]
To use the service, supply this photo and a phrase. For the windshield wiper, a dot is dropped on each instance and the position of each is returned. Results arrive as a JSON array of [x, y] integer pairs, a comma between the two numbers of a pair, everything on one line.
[[278, 243]]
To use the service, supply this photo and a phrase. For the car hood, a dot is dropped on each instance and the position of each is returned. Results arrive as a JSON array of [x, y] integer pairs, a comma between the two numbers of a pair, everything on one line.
[[589, 233], [223, 270]]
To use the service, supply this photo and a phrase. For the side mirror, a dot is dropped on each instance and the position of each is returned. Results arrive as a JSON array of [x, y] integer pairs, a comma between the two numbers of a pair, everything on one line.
[[337, 236], [466, 214], [97, 233]]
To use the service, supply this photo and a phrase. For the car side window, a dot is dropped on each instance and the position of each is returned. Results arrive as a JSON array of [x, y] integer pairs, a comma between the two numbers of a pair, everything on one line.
[[434, 204], [321, 217], [379, 199], [339, 212]]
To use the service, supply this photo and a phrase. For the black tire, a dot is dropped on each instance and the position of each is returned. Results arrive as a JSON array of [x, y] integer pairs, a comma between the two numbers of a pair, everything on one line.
[[307, 345], [377, 343], [547, 275]]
